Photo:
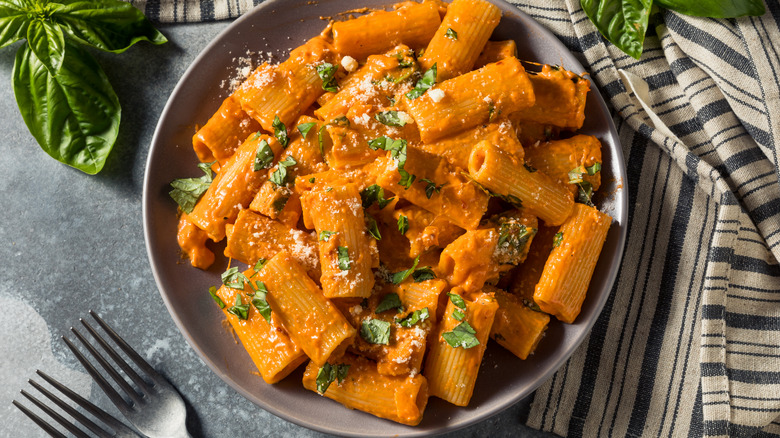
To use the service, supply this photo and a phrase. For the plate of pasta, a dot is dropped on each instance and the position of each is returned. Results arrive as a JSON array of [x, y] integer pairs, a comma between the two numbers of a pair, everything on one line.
[[415, 211]]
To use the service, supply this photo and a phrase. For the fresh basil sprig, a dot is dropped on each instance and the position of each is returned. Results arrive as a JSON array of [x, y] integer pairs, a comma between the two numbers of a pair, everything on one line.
[[63, 94]]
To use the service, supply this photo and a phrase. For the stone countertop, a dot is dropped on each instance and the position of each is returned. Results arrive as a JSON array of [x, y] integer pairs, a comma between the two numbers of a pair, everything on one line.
[[73, 242]]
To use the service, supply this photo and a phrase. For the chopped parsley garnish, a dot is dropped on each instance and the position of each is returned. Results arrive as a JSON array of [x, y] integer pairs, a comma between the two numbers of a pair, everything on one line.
[[427, 80], [557, 239], [239, 309], [264, 157], [187, 191], [372, 227], [414, 317], [217, 299], [234, 279], [343, 254], [280, 132], [423, 274], [457, 300], [304, 128], [375, 331], [403, 224], [325, 235], [327, 73], [463, 335], [259, 301], [374, 193], [389, 118], [457, 314], [279, 176], [400, 276], [390, 301], [451, 34], [431, 187], [328, 373]]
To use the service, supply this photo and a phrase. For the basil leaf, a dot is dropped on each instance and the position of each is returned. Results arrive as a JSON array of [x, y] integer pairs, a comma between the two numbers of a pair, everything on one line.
[[407, 179], [239, 309], [187, 191], [557, 239], [234, 279], [390, 301], [622, 22], [451, 34], [374, 193], [280, 132], [328, 373], [431, 187], [279, 176], [715, 8], [463, 336], [327, 73], [13, 20], [109, 25], [372, 227], [264, 157], [414, 318], [389, 118], [259, 301], [403, 224], [575, 175], [531, 304], [457, 300], [426, 81], [259, 265], [304, 128], [594, 169], [513, 239], [343, 255], [340, 121], [375, 331], [457, 314], [47, 41], [73, 114], [399, 277], [423, 274], [217, 299], [325, 235]]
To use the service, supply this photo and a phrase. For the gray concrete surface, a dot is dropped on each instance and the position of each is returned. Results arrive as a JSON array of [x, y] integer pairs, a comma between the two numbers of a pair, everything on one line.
[[73, 242]]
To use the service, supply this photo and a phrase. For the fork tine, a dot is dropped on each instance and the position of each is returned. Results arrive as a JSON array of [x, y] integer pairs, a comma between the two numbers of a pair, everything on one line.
[[143, 364], [39, 421], [79, 417], [57, 417], [104, 416], [129, 391], [145, 388], [118, 401]]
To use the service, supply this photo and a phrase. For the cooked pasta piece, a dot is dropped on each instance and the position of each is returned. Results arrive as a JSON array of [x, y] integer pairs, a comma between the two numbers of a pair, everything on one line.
[[550, 201], [192, 241], [569, 268], [219, 138], [426, 230], [516, 326], [558, 158], [495, 51], [461, 37], [527, 275], [277, 202], [397, 398], [560, 98], [456, 149], [269, 346], [312, 321], [453, 360]]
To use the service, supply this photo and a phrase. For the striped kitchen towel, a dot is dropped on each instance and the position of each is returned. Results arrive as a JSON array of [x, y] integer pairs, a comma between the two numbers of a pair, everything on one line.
[[689, 341]]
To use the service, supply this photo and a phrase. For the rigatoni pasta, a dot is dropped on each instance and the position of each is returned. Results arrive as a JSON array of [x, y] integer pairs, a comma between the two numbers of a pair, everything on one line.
[[400, 189]]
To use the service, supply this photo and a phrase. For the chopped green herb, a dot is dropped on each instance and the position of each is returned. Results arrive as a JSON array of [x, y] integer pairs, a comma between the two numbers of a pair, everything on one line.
[[279, 176], [372, 227], [280, 202], [327, 73], [239, 309], [513, 239], [390, 301], [391, 98], [260, 302], [187, 191], [328, 373], [311, 180], [575, 175], [320, 140], [457, 300], [529, 168], [491, 110], [343, 254], [511, 199], [595, 168], [397, 150], [264, 157], [457, 314], [234, 279], [304, 128], [427, 80], [325, 235], [423, 274], [463, 335], [585, 193], [403, 224], [400, 276], [407, 179], [340, 121], [431, 187], [213, 292], [557, 239], [375, 331], [414, 317], [531, 304], [280, 132], [329, 189], [389, 118], [259, 265], [374, 193], [451, 34]]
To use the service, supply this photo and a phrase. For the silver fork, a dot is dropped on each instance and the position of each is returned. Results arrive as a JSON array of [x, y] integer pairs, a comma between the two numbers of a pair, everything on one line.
[[155, 408], [115, 428]]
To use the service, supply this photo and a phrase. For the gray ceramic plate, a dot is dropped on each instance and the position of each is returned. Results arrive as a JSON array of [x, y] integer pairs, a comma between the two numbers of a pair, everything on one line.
[[276, 26]]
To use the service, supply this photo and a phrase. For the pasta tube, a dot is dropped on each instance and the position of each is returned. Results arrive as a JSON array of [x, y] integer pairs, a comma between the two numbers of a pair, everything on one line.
[[219, 138], [559, 157], [456, 149], [495, 51], [192, 241], [560, 99], [516, 326]]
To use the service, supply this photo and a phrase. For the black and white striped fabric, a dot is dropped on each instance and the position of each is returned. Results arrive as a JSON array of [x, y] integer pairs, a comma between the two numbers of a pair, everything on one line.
[[689, 341]]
